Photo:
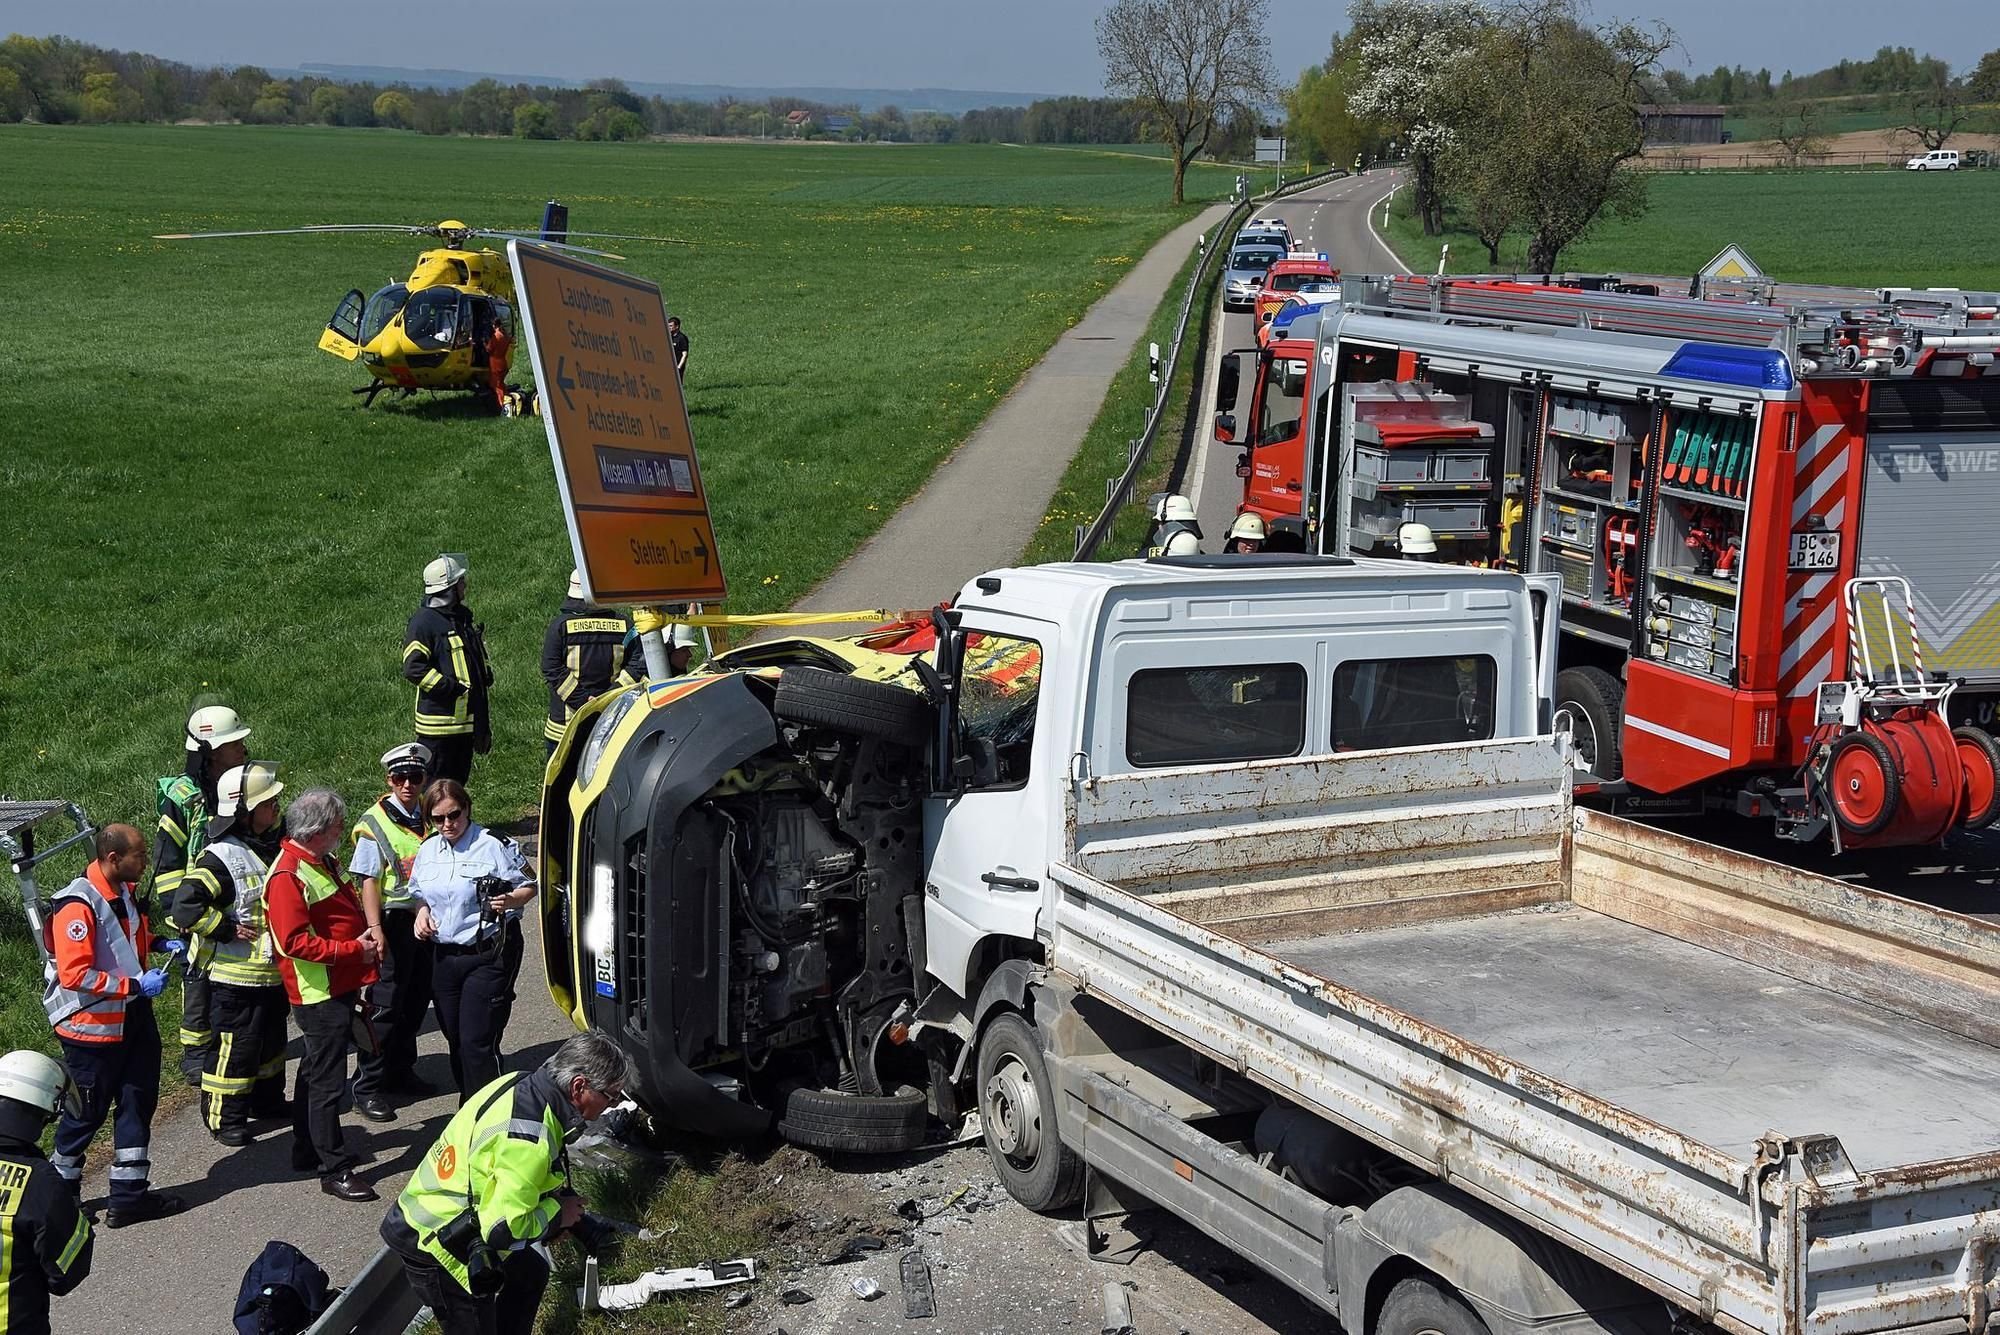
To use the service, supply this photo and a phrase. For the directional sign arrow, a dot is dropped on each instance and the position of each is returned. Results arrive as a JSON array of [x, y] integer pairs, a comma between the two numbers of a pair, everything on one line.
[[701, 550], [564, 383]]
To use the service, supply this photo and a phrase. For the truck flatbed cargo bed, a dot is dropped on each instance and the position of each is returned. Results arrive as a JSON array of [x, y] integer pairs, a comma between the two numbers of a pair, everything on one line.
[[1769, 1096], [1717, 1048]]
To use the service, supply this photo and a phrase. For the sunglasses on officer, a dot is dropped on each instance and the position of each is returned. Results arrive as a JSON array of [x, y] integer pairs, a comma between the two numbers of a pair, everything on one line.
[[447, 815], [411, 777]]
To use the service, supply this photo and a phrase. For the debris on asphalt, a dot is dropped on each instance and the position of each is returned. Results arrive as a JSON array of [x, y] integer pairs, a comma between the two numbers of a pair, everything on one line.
[[919, 1298], [1117, 1310], [740, 1298], [795, 1297], [595, 1296], [854, 1249], [865, 1288]]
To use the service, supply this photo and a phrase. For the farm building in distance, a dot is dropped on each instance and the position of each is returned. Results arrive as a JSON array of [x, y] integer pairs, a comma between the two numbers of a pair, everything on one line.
[[1682, 123]]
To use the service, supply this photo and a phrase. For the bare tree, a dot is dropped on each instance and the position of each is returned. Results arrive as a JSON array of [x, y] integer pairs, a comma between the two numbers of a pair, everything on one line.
[[1188, 64], [1932, 115], [1794, 126], [1551, 107]]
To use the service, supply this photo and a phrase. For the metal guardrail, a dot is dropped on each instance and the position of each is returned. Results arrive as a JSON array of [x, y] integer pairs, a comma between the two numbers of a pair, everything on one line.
[[1118, 490], [379, 1301]]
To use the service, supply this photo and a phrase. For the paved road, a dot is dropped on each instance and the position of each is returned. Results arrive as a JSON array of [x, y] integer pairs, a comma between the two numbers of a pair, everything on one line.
[[1333, 218]]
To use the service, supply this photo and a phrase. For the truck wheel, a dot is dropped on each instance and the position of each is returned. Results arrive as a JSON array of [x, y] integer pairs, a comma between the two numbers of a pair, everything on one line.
[[853, 705], [826, 1119], [1592, 701], [1979, 756], [1863, 785], [1017, 1105], [1421, 1305]]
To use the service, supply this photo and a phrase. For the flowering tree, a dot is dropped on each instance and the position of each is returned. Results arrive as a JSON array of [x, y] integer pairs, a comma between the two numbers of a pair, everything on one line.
[[1407, 55]]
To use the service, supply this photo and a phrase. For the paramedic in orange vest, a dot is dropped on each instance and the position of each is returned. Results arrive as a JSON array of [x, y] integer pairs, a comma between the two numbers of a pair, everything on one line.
[[98, 993], [327, 954]]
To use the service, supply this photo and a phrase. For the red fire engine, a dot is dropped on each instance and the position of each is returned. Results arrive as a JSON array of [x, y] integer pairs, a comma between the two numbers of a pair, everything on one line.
[[1771, 516]]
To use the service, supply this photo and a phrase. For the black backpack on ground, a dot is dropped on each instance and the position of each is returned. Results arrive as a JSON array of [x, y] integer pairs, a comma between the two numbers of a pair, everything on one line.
[[283, 1293]]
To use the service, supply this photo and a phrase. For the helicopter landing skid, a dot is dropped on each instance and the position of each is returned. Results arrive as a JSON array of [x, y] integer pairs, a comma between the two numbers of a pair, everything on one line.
[[377, 387]]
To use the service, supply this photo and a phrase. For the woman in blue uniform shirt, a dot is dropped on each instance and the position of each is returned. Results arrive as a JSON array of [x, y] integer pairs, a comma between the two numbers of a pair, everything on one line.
[[477, 930]]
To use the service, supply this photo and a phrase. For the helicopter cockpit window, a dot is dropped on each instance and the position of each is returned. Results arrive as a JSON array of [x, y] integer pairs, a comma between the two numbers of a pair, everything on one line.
[[382, 308], [431, 318]]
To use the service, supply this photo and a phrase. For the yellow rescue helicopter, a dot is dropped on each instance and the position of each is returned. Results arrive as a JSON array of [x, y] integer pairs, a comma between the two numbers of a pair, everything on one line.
[[450, 324]]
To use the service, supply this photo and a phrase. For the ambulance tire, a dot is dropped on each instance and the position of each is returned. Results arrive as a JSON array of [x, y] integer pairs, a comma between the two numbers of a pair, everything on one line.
[[1594, 703], [828, 699], [828, 1119]]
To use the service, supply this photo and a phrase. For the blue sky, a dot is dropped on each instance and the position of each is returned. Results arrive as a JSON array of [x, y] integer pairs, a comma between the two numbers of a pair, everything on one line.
[[1037, 46]]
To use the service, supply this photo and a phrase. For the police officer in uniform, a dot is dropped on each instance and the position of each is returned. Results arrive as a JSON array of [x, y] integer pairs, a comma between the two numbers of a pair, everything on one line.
[[444, 657], [386, 839], [45, 1239], [585, 652], [215, 742], [98, 994], [222, 900], [475, 923], [497, 1182]]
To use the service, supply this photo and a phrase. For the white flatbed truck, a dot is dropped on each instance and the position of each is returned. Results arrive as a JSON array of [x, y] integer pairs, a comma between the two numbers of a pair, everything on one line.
[[1382, 1010]]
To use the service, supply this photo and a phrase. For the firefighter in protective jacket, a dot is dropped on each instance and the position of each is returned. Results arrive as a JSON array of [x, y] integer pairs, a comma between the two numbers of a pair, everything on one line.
[[215, 745], [587, 650], [45, 1239], [444, 657], [222, 902]]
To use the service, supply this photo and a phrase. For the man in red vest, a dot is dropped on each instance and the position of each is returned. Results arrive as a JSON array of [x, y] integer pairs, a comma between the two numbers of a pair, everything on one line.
[[98, 994], [327, 955]]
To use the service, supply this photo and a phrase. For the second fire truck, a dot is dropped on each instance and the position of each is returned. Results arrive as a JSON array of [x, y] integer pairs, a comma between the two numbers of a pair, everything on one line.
[[1771, 516]]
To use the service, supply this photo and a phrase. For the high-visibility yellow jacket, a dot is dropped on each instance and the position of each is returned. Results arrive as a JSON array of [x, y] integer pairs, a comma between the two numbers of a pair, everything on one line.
[[503, 1154]]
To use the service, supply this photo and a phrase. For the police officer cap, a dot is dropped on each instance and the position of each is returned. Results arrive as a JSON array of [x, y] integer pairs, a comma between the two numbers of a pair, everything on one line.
[[410, 755]]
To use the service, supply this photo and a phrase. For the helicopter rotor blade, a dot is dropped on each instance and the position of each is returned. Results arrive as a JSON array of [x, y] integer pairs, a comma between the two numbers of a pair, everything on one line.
[[627, 236], [300, 231], [534, 240]]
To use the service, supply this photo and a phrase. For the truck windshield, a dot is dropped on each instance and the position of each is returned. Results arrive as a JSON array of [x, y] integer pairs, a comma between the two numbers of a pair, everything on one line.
[[1200, 716], [1283, 401], [1387, 702], [1000, 683]]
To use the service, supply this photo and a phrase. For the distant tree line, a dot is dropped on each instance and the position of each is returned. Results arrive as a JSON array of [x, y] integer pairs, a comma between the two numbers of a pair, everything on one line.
[[60, 81], [1894, 70]]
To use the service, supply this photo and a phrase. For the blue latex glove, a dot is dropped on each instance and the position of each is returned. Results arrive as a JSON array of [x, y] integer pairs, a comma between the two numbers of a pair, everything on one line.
[[171, 946], [153, 982]]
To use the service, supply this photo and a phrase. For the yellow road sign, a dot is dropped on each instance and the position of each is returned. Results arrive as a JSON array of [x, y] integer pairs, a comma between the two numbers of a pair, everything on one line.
[[1733, 262], [618, 428]]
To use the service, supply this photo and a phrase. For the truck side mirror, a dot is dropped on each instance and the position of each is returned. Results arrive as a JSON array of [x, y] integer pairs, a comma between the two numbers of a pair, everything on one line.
[[946, 779], [1228, 375], [1225, 427]]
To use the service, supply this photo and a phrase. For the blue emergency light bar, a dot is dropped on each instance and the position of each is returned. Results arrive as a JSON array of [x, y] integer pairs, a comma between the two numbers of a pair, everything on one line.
[[1721, 364]]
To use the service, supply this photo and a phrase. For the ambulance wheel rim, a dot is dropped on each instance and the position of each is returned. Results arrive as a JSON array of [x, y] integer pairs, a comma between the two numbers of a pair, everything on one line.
[[1860, 789]]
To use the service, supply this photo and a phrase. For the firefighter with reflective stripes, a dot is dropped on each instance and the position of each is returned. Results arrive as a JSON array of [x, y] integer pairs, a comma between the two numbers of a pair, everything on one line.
[[222, 901], [45, 1238], [444, 657], [497, 1182], [386, 839], [586, 651], [98, 993], [215, 744]]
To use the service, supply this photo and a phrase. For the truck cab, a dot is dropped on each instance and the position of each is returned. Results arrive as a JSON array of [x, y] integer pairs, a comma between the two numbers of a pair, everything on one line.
[[785, 885]]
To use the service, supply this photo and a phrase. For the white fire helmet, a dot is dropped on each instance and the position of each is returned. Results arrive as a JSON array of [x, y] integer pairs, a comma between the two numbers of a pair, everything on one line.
[[442, 573], [246, 788], [1176, 508], [214, 725], [1183, 544], [39, 1081], [1416, 540], [575, 583], [1248, 526]]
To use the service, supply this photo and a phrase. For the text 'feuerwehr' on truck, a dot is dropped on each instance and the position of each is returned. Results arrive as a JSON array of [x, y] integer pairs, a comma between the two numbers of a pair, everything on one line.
[[1252, 887]]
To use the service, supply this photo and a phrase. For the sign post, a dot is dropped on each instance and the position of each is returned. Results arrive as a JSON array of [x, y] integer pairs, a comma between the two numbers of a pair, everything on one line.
[[618, 428]]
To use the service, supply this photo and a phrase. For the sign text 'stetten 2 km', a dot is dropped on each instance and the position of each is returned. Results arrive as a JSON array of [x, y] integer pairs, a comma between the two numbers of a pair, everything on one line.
[[618, 427]]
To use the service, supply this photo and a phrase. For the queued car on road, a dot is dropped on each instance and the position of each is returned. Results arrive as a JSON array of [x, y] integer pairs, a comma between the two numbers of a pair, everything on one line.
[[1297, 272], [1249, 260], [1271, 225]]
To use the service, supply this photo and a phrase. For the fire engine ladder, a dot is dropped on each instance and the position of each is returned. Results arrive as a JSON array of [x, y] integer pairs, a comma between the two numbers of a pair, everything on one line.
[[1879, 670], [17, 841], [1512, 301]]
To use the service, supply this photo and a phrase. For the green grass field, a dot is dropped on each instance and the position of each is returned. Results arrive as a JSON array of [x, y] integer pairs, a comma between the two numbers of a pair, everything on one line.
[[1744, 129], [199, 505], [1904, 228]]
